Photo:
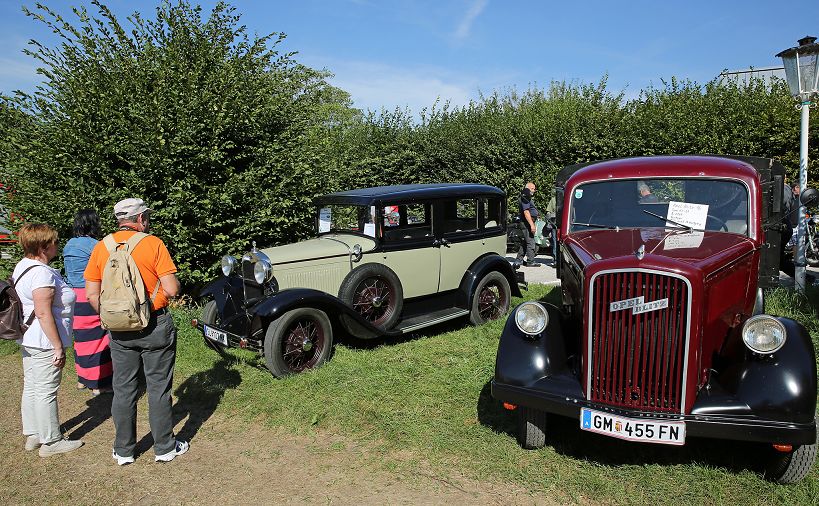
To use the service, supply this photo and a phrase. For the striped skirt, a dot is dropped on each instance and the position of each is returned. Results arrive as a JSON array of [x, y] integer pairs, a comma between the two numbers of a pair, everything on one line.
[[92, 354]]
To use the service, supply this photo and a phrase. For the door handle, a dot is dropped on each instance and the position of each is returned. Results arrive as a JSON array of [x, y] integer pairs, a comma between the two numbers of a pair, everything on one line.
[[445, 242]]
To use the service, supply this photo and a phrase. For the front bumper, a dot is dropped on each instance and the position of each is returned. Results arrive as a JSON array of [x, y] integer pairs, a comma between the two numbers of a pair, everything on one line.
[[558, 396], [232, 340]]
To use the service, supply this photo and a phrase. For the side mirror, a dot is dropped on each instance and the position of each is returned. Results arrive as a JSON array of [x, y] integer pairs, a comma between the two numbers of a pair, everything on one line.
[[809, 197]]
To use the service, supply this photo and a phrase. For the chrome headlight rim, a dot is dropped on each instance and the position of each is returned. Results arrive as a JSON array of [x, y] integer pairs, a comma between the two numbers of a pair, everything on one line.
[[262, 271], [758, 323], [526, 313], [228, 264]]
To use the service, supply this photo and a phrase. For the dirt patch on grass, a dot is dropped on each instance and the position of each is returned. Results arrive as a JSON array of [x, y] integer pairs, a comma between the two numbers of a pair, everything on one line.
[[229, 463]]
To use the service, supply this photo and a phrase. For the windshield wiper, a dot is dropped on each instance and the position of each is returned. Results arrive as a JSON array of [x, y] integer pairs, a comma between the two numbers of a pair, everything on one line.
[[596, 225], [675, 223]]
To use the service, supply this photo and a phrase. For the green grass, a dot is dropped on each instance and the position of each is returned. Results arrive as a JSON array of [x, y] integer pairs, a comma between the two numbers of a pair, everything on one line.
[[426, 400]]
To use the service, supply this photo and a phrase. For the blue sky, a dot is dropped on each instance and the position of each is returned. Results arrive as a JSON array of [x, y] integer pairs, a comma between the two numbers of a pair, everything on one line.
[[407, 53]]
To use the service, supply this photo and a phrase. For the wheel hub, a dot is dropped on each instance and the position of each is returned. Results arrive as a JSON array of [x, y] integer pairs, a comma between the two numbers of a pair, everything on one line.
[[377, 301], [307, 344]]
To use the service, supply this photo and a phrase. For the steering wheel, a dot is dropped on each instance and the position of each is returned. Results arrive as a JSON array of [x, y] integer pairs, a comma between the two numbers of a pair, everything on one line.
[[723, 225]]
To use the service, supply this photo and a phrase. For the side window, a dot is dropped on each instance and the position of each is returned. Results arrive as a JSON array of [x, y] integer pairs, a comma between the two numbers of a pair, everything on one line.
[[406, 223], [491, 213], [460, 216]]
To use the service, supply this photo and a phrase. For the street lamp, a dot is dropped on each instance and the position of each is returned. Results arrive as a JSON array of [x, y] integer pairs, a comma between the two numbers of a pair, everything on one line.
[[802, 72]]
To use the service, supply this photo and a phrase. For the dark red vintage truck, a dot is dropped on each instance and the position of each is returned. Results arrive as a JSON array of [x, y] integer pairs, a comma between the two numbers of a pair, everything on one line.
[[662, 334]]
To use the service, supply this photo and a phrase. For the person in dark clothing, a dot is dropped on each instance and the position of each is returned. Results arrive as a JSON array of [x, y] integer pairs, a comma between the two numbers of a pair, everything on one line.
[[790, 219], [646, 197], [528, 216]]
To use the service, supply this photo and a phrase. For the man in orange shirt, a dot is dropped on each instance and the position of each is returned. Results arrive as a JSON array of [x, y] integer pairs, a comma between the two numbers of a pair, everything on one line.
[[152, 349]]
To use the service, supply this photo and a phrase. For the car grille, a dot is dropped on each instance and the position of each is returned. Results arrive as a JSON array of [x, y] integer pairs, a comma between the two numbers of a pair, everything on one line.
[[637, 357], [252, 289]]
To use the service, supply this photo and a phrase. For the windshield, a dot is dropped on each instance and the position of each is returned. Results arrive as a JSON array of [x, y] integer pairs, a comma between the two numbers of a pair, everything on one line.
[[346, 218], [685, 204]]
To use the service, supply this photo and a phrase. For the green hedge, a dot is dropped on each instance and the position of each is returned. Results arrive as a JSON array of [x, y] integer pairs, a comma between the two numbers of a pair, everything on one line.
[[230, 138]]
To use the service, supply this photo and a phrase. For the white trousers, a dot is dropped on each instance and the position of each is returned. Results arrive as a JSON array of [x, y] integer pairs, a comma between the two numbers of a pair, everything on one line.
[[38, 407]]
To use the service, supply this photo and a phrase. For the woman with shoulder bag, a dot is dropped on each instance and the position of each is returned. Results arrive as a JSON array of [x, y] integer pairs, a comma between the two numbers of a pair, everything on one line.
[[44, 293]]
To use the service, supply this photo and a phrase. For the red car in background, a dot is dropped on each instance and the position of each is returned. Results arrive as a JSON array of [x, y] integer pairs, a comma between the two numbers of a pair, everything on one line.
[[7, 237]]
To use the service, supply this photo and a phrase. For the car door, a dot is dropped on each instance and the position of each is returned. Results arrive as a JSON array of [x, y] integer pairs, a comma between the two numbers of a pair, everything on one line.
[[409, 246], [456, 228]]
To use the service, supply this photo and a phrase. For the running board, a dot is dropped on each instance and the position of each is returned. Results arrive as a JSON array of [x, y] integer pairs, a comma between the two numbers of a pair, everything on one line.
[[430, 319]]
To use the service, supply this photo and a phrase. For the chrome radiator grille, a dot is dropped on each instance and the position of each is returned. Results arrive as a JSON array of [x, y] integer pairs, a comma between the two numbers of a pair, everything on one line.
[[638, 328]]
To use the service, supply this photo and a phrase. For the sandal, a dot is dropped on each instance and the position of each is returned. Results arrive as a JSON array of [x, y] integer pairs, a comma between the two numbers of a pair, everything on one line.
[[80, 386]]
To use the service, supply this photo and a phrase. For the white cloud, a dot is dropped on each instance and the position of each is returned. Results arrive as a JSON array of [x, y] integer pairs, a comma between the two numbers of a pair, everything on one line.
[[375, 86], [464, 27]]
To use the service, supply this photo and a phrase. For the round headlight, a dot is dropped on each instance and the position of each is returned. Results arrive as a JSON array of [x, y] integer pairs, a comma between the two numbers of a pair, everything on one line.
[[261, 271], [763, 334], [228, 263], [531, 318]]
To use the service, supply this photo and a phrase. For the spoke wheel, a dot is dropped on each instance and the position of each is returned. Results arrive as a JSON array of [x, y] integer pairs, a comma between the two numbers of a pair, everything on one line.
[[491, 299], [300, 340], [374, 299], [302, 345], [374, 292]]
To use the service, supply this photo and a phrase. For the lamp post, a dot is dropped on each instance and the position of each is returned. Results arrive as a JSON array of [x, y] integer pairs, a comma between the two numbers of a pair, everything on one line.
[[802, 73]]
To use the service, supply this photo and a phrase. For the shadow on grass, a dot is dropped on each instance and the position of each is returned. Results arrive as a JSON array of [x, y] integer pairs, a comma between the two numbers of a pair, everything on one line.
[[97, 412], [198, 397], [565, 437]]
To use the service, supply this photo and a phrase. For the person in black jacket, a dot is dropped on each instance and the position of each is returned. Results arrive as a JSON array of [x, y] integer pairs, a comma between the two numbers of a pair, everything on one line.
[[528, 215]]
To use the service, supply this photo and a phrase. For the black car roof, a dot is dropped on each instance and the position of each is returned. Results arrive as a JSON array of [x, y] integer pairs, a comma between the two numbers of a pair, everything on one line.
[[404, 192]]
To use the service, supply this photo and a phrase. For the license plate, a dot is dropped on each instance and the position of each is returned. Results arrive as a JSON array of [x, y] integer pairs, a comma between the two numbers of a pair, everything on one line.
[[647, 431], [216, 335]]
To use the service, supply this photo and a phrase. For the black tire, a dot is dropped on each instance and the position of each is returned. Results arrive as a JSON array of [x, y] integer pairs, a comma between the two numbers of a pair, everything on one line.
[[210, 316], [790, 467], [374, 292], [531, 428], [299, 340], [491, 299]]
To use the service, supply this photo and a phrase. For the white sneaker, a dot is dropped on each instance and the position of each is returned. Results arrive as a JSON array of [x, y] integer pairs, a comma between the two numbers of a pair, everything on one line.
[[121, 460], [60, 446], [32, 442], [181, 447]]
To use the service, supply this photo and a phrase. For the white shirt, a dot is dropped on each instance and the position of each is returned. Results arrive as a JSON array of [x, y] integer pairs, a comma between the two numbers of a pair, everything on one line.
[[62, 307]]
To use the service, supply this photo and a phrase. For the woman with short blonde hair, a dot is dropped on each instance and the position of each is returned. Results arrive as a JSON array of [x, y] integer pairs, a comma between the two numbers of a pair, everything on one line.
[[48, 306]]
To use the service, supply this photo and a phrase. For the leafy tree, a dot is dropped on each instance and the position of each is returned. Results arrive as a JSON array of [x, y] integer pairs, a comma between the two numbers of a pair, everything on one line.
[[208, 124]]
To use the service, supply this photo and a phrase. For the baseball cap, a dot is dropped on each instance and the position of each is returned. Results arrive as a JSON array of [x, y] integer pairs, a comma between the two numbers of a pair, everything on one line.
[[130, 207]]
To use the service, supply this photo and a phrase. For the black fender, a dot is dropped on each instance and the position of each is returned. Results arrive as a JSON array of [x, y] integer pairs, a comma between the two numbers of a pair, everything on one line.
[[228, 293], [781, 386], [536, 362], [478, 270], [339, 313]]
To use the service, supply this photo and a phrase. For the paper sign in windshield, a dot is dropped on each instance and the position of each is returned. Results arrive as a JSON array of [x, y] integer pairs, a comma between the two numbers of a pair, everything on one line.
[[685, 213], [325, 216]]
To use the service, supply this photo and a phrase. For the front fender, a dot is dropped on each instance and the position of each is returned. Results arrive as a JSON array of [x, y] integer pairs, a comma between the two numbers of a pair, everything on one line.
[[526, 361], [781, 386], [478, 270], [228, 293], [339, 312]]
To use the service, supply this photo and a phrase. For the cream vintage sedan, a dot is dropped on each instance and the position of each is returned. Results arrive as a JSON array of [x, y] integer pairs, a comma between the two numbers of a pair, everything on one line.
[[386, 261]]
